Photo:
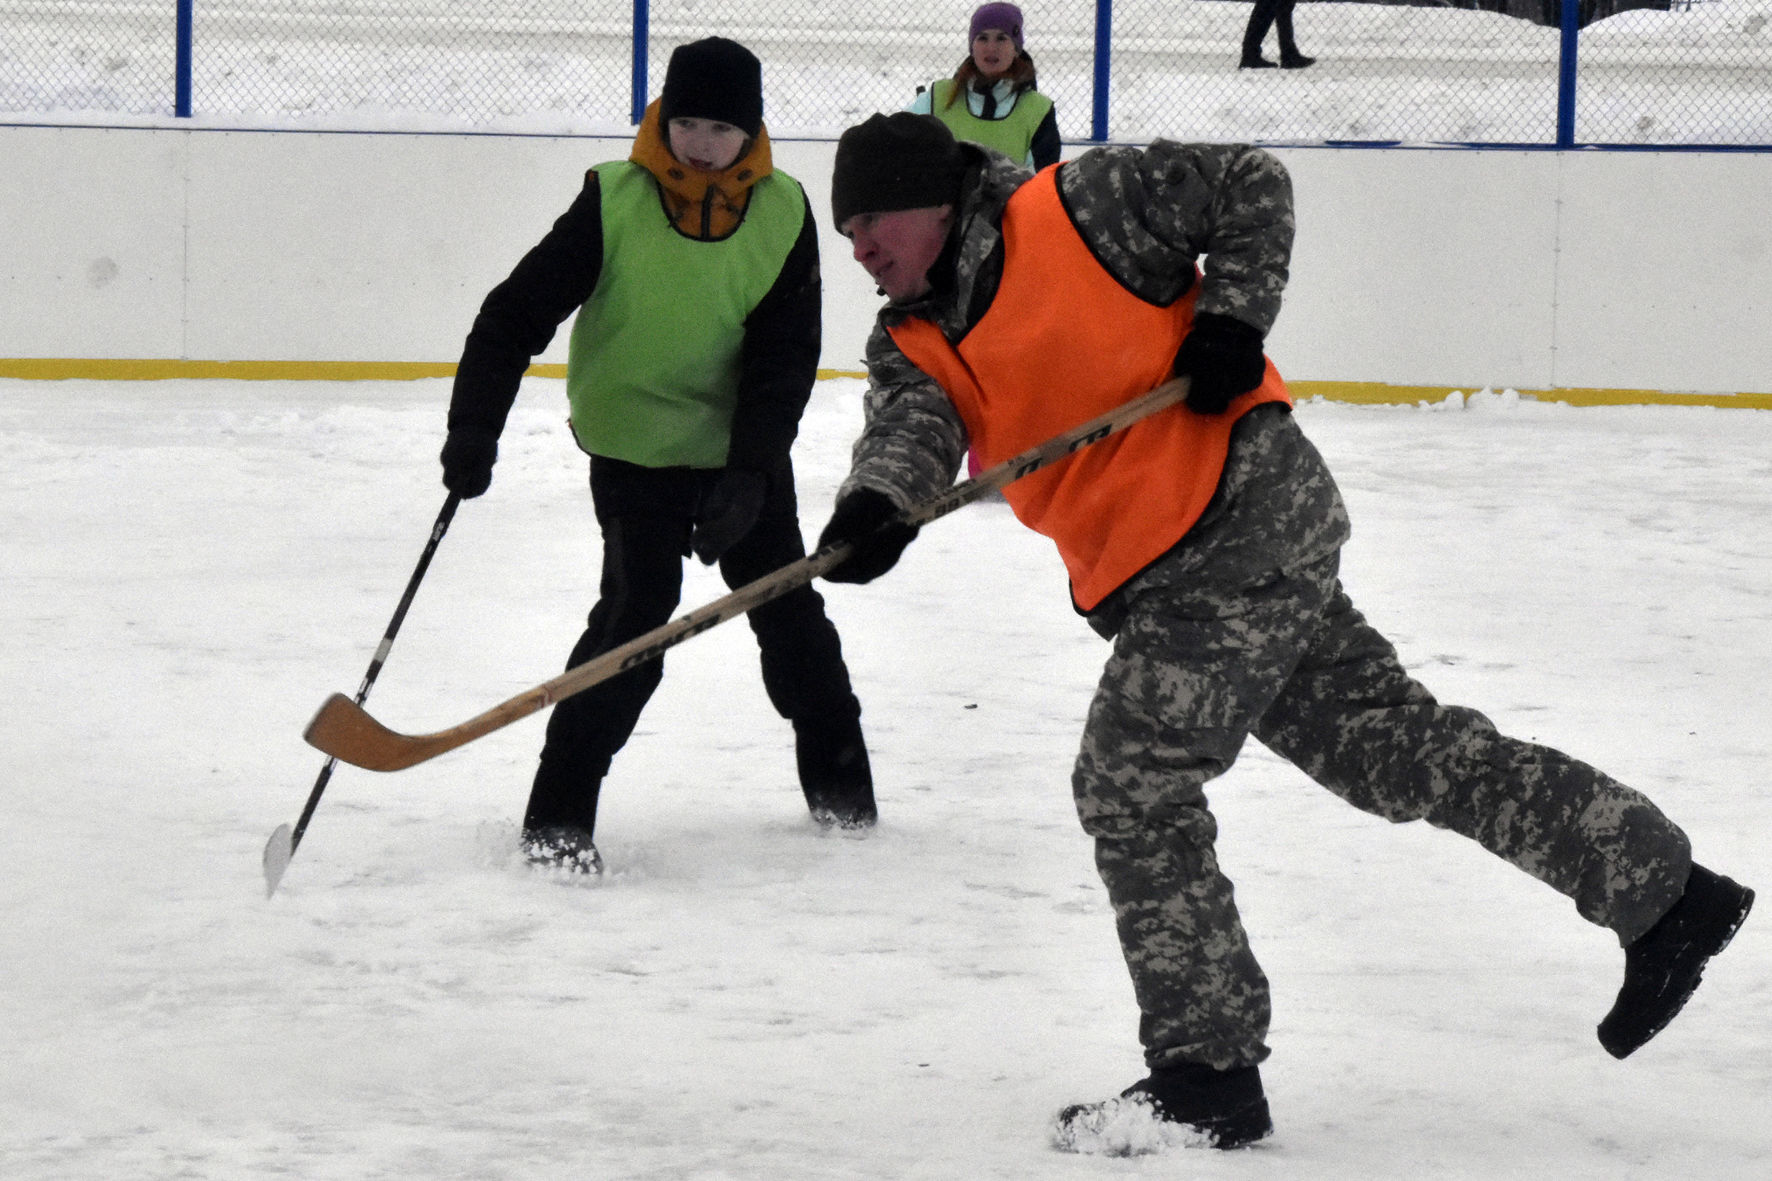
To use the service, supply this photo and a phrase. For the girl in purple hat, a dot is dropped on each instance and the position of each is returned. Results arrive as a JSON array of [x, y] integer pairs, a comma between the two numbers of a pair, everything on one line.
[[1002, 109], [991, 99]]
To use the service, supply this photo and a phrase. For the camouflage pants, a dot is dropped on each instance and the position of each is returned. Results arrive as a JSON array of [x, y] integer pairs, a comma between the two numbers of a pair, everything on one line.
[[1244, 629]]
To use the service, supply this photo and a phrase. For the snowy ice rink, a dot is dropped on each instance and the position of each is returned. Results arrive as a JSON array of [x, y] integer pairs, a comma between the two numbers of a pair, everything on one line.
[[189, 568]]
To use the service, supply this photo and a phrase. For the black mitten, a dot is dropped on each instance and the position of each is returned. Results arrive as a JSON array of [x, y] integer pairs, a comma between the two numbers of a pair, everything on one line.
[[1221, 358], [861, 519], [727, 512], [468, 456]]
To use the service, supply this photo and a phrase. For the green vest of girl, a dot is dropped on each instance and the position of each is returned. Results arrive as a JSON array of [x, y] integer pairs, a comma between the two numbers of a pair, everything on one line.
[[652, 371], [1013, 134]]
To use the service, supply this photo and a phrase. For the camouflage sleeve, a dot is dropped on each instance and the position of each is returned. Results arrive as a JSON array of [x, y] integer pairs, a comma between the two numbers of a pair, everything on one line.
[[1150, 214], [912, 440]]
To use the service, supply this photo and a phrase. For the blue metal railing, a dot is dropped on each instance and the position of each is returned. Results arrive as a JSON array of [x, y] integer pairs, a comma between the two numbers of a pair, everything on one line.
[[182, 58], [642, 24], [1565, 74], [1102, 54], [1104, 45]]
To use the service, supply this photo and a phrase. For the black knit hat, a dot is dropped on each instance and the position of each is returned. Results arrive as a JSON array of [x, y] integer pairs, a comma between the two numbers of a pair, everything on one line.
[[714, 79], [897, 161]]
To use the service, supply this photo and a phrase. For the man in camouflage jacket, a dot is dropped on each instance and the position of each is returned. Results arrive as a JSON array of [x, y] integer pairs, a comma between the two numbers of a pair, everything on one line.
[[1014, 301]]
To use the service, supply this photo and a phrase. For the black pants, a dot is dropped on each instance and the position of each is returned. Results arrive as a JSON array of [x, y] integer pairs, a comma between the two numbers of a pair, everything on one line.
[[646, 516], [1265, 15]]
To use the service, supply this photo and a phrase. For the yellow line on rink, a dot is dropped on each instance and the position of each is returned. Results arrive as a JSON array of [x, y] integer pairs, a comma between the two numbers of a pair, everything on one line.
[[1364, 393]]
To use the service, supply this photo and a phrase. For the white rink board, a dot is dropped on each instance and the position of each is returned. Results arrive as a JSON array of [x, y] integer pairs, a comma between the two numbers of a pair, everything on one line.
[[1633, 270]]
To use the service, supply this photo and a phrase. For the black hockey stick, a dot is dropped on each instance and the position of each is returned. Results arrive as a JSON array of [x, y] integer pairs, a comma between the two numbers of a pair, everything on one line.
[[345, 730], [284, 841]]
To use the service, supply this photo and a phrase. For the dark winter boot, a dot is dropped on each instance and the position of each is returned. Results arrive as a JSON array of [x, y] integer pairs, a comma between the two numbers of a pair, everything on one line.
[[1185, 1105], [1663, 967], [1290, 58], [835, 774], [562, 810], [563, 849], [1252, 60]]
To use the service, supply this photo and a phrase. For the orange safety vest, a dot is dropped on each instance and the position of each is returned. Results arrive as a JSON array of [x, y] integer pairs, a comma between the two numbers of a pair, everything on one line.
[[1061, 343]]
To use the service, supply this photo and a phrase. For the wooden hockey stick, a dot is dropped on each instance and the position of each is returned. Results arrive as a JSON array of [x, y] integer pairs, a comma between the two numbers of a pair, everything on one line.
[[344, 730]]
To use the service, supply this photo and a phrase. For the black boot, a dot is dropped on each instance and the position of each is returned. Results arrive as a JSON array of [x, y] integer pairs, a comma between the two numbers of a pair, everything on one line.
[[835, 774], [562, 815], [1290, 58], [562, 849], [1663, 967], [1263, 15], [1200, 1106]]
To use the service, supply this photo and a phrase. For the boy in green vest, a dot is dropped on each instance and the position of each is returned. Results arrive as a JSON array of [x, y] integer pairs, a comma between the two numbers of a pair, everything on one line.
[[693, 269]]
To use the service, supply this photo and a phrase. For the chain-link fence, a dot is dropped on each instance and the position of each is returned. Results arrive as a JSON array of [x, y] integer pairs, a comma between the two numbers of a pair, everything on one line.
[[1674, 72]]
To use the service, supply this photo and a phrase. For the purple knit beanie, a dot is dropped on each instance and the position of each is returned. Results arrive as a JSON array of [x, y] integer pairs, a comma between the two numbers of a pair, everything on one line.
[[1006, 17]]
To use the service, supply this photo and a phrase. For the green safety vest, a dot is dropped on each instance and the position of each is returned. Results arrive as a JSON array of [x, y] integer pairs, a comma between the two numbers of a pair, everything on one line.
[[1013, 134], [652, 370]]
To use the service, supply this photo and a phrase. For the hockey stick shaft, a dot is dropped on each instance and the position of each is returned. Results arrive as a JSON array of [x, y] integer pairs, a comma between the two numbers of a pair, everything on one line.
[[285, 840], [344, 730]]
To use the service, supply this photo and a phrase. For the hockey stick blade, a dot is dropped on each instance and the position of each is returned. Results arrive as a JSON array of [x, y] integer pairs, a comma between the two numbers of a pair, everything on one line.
[[286, 839], [279, 850], [344, 730]]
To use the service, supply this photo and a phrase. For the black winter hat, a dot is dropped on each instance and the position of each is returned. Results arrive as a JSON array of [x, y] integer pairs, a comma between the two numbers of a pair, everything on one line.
[[896, 161], [714, 78]]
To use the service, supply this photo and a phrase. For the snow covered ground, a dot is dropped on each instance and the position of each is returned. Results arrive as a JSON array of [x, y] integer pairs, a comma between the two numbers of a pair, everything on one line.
[[188, 568]]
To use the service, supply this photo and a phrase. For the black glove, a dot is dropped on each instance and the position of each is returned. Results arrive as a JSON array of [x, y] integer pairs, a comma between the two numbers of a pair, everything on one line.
[[1221, 358], [727, 512], [860, 519], [468, 456]]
